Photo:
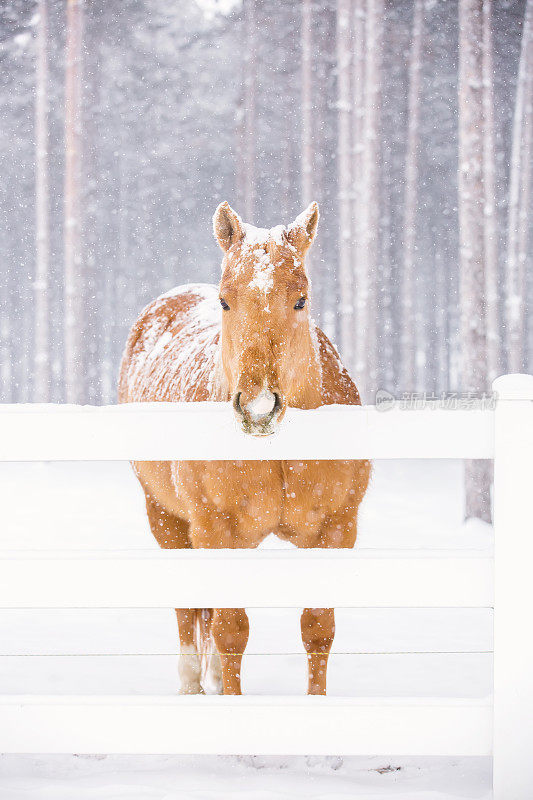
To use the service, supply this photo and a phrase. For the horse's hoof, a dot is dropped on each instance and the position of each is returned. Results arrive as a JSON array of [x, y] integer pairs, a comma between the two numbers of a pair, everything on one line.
[[191, 690], [214, 687], [213, 676]]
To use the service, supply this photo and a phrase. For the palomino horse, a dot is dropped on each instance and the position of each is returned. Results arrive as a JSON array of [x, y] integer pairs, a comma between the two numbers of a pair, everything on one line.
[[251, 341]]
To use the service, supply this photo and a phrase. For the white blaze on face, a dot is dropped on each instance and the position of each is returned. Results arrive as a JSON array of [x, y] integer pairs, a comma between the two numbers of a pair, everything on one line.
[[262, 405], [255, 244], [263, 275]]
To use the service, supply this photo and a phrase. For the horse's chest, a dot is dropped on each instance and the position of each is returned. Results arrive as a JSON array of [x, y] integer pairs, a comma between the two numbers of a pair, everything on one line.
[[312, 491], [266, 496]]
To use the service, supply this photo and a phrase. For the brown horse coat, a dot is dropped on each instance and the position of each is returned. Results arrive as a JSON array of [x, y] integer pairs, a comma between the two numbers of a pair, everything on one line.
[[264, 353]]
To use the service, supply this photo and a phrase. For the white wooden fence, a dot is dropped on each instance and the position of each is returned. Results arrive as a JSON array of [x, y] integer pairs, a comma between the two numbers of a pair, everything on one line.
[[125, 724]]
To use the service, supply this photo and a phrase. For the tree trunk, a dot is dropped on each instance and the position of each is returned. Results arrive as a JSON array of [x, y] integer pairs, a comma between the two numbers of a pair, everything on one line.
[[385, 331], [358, 155], [325, 178], [7, 355], [287, 176], [344, 180], [249, 126], [366, 338], [240, 172], [519, 190], [490, 232], [74, 294], [93, 204], [471, 234], [408, 336], [310, 126], [307, 103], [442, 320], [41, 387]]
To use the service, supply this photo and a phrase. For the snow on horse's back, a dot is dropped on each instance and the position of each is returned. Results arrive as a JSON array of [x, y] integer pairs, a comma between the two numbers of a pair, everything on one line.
[[172, 350]]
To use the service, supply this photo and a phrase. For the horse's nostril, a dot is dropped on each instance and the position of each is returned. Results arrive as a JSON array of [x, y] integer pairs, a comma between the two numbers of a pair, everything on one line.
[[237, 403]]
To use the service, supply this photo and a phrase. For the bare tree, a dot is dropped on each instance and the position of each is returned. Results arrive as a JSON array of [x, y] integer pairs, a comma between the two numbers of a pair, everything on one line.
[[384, 298], [358, 154], [366, 339], [7, 355], [96, 316], [408, 334], [490, 231], [41, 386], [358, 94], [519, 191], [74, 294], [307, 102], [442, 321], [344, 179], [310, 126], [471, 233], [323, 67], [249, 126], [287, 177]]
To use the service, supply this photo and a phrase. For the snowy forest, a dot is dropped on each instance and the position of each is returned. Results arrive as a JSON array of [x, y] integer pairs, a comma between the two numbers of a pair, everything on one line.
[[125, 124]]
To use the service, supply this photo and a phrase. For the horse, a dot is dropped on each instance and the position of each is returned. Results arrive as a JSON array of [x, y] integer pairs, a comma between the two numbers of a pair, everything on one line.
[[251, 341]]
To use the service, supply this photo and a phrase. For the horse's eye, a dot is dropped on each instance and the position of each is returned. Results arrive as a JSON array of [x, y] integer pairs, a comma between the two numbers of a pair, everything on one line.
[[300, 303], [224, 304]]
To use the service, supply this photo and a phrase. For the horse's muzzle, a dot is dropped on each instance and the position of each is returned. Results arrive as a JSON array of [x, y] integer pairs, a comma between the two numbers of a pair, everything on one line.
[[260, 415]]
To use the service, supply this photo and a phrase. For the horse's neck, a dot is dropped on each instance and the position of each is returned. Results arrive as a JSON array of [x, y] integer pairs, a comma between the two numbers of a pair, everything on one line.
[[218, 384], [305, 390]]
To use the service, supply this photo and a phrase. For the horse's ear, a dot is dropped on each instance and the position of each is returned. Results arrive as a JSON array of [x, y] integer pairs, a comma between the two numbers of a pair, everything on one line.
[[302, 231], [227, 226]]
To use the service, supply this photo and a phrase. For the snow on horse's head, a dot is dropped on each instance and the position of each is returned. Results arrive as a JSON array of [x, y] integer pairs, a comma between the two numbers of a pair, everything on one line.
[[267, 338]]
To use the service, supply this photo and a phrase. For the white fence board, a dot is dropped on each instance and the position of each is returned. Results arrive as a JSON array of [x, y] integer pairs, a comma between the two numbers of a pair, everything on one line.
[[360, 579], [232, 578], [207, 431], [245, 725], [513, 660]]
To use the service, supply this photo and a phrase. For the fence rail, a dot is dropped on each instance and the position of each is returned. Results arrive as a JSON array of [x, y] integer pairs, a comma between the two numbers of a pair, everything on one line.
[[232, 579], [207, 431], [326, 578], [245, 725]]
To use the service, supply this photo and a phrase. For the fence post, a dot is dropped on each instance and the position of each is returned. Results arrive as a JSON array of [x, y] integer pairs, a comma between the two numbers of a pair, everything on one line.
[[513, 606]]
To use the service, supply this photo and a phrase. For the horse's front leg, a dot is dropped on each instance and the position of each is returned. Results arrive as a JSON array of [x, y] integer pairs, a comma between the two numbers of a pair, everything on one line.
[[211, 528], [318, 624], [230, 630], [318, 632]]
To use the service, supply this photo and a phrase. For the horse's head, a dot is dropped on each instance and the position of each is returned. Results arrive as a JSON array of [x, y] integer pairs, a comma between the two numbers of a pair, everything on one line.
[[266, 332]]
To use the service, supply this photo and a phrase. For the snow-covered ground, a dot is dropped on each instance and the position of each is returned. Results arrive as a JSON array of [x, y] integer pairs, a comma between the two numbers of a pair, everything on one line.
[[223, 778], [377, 652]]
